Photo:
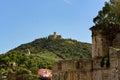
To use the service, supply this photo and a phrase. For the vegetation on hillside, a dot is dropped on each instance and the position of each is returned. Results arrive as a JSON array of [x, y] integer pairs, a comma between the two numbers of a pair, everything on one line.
[[62, 48], [43, 53]]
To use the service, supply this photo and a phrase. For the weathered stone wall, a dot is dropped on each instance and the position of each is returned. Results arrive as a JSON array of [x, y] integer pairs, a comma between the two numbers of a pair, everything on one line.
[[66, 65], [100, 71], [102, 74], [115, 63], [99, 45], [73, 70], [116, 41], [72, 75], [119, 66], [97, 63], [107, 73], [87, 69]]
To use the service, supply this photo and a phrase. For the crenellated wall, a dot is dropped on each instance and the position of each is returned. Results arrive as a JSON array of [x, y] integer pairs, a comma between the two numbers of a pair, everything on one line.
[[73, 70]]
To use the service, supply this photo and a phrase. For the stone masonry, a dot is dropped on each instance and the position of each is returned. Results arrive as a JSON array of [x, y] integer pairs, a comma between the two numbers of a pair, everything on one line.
[[104, 65]]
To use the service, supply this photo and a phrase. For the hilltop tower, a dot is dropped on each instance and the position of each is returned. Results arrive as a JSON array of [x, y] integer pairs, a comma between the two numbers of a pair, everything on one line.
[[55, 36]]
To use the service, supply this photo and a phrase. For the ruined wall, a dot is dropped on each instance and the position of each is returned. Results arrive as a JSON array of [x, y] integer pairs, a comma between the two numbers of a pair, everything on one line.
[[116, 41], [72, 75], [104, 72], [100, 70], [115, 63], [101, 54], [119, 67], [73, 70], [99, 44]]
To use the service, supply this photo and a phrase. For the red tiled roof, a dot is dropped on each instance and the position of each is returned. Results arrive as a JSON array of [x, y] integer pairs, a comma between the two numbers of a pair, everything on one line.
[[45, 73]]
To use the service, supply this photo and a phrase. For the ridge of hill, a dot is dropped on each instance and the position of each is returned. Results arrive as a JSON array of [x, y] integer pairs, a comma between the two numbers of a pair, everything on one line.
[[62, 48]]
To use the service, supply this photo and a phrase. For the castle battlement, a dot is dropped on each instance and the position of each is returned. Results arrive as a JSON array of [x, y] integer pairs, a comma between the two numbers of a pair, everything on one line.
[[55, 36]]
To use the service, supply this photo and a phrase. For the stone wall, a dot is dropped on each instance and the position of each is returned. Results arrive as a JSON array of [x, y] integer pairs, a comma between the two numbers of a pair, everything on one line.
[[116, 41], [99, 45], [66, 65], [73, 70], [107, 73], [115, 63], [100, 71], [87, 69], [72, 75]]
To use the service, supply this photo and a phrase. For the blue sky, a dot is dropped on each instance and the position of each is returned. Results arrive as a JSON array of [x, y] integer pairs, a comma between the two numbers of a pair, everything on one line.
[[22, 21]]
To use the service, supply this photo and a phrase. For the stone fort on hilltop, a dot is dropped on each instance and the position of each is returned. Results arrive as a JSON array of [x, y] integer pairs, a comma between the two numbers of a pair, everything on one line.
[[55, 36], [105, 62]]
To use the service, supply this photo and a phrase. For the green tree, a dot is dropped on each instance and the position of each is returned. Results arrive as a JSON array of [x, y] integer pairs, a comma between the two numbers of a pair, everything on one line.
[[110, 14], [23, 71]]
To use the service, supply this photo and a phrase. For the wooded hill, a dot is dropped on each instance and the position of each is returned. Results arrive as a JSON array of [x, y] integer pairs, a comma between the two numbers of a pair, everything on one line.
[[42, 53], [62, 48]]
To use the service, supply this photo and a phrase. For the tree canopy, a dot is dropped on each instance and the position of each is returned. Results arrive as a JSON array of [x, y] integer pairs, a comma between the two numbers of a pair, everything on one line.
[[109, 15]]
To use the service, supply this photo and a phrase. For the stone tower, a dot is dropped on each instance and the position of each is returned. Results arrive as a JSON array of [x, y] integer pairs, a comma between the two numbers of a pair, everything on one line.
[[55, 35]]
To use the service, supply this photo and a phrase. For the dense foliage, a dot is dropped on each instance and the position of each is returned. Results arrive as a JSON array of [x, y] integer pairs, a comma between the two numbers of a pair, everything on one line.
[[16, 63], [107, 22], [43, 53], [109, 15], [62, 48]]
